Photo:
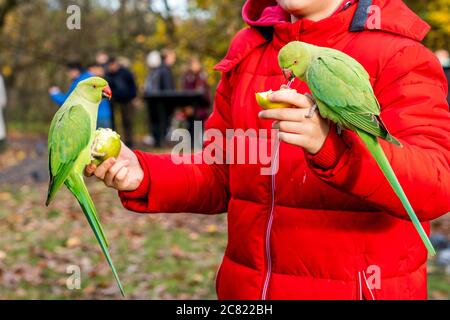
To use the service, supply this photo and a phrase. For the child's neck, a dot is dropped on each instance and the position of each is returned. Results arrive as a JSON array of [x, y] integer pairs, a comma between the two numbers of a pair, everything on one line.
[[322, 10]]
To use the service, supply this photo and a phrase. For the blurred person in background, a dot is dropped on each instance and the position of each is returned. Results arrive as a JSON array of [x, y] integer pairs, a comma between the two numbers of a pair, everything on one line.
[[444, 59], [76, 74], [160, 79], [196, 79], [102, 59], [104, 119], [124, 62], [169, 58], [124, 90], [153, 62], [3, 101]]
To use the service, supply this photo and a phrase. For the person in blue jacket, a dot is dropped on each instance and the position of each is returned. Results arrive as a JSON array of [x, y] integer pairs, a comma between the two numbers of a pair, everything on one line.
[[76, 74]]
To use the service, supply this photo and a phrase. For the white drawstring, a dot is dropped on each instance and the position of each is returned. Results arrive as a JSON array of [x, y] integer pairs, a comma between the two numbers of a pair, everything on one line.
[[360, 287], [368, 287]]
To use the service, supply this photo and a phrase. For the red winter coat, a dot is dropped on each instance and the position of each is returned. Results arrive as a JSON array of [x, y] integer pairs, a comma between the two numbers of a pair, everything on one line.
[[326, 226]]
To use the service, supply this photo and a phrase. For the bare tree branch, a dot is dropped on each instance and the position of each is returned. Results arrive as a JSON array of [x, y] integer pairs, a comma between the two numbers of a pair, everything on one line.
[[170, 22]]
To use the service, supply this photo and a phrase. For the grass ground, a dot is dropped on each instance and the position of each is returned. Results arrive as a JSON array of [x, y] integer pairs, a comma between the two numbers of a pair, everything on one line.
[[158, 256]]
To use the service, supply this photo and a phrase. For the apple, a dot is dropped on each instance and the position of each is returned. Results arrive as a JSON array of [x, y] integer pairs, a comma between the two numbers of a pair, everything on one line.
[[106, 145], [263, 100]]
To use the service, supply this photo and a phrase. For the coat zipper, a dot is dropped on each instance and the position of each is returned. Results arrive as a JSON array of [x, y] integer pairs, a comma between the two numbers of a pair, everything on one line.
[[274, 170]]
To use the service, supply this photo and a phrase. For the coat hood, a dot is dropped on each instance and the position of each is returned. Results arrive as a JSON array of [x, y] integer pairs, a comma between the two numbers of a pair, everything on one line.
[[395, 16]]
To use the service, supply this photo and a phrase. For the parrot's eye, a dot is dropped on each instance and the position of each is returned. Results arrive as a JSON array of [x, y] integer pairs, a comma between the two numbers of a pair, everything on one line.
[[295, 62], [95, 87]]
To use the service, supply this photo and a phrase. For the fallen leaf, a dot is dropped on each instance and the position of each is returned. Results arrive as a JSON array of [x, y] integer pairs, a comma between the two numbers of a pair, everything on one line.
[[73, 242], [211, 228], [21, 155], [5, 196]]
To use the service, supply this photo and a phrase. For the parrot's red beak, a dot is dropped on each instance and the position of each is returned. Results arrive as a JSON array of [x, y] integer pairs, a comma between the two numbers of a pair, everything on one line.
[[288, 74], [107, 93]]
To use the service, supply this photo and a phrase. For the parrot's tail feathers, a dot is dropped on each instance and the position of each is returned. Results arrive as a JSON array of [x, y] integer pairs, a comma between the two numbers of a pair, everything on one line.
[[51, 192], [386, 134], [390, 138], [52, 188], [56, 182], [377, 152], [48, 201], [78, 188]]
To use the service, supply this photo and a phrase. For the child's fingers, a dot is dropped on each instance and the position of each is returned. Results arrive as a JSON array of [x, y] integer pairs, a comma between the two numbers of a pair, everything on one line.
[[291, 97], [121, 178], [104, 167], [284, 114], [294, 139], [289, 126], [90, 170], [113, 171]]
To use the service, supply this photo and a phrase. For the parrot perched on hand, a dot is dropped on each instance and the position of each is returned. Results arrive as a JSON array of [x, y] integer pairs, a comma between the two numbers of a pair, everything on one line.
[[70, 140], [342, 92]]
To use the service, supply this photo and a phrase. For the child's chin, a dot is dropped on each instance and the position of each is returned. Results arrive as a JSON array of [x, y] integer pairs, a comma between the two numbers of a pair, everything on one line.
[[295, 7]]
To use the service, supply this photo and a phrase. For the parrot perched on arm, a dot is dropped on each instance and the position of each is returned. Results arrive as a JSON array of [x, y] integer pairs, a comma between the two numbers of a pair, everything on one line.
[[342, 92], [70, 140]]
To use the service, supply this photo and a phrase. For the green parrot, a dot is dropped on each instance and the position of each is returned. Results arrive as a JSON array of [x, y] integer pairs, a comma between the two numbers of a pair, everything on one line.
[[342, 92], [70, 140]]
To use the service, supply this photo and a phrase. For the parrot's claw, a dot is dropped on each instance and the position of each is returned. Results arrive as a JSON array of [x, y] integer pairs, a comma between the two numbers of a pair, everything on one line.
[[338, 129], [313, 108]]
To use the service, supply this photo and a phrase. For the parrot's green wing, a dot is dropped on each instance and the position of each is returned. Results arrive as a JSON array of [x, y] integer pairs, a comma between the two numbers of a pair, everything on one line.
[[69, 135], [342, 85]]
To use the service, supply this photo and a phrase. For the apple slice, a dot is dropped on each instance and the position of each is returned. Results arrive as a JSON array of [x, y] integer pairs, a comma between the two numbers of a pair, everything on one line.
[[263, 100]]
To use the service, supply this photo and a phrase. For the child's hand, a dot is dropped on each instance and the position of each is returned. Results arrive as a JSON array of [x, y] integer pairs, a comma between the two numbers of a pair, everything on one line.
[[124, 173], [295, 128]]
